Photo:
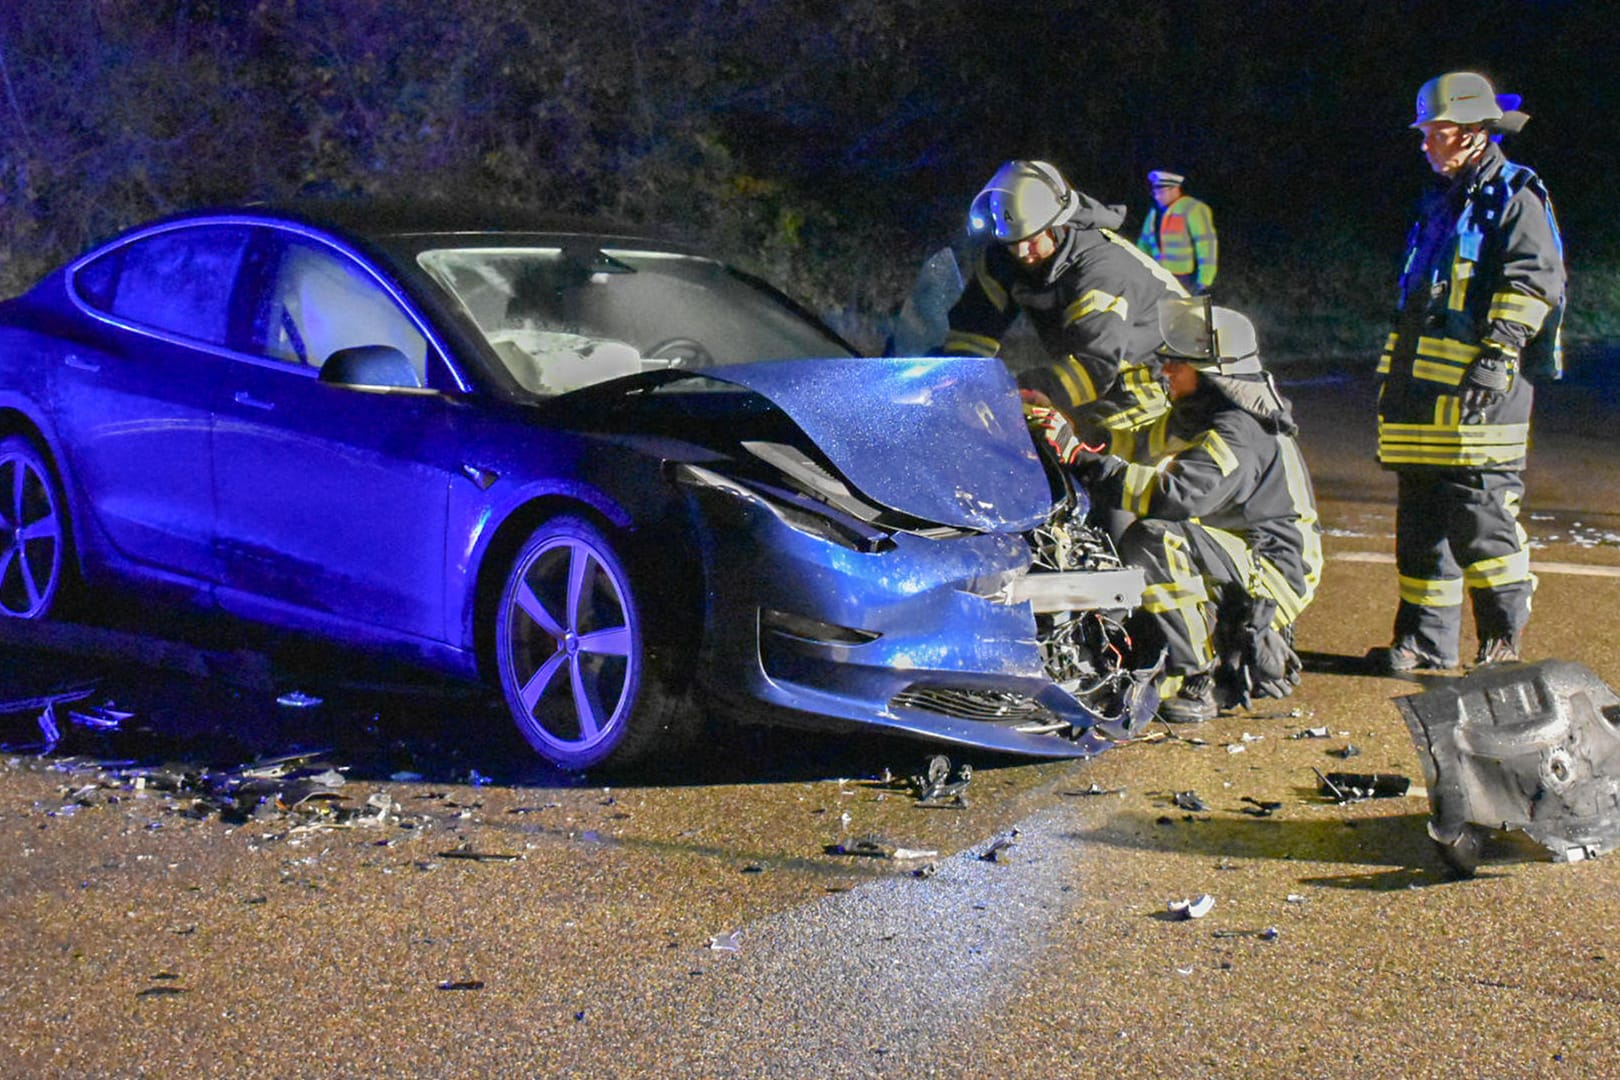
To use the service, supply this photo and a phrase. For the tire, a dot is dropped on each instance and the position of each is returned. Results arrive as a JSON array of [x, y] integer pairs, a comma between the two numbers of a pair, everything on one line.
[[571, 652], [34, 536]]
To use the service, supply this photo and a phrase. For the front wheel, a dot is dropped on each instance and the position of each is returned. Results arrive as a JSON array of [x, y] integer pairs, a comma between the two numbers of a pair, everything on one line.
[[571, 652], [33, 532]]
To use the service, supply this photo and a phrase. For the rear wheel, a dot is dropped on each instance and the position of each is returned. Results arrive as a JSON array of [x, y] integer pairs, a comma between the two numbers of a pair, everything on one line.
[[33, 532], [571, 651]]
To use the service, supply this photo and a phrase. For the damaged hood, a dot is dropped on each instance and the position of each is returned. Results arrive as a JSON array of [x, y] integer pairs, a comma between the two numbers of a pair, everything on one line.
[[942, 439]]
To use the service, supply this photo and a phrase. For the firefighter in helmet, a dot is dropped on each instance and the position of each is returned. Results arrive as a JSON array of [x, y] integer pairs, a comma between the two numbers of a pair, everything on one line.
[[1051, 252], [1226, 528], [1480, 302]]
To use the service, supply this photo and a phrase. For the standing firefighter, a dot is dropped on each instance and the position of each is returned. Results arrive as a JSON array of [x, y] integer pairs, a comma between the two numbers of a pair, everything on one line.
[[1226, 530], [1180, 233], [1090, 295], [1481, 299]]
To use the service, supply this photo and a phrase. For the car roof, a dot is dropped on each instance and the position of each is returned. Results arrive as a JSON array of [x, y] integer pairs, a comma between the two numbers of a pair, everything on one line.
[[381, 220]]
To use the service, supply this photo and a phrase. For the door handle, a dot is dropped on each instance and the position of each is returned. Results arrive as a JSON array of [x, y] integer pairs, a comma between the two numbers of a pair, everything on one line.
[[74, 360], [245, 398]]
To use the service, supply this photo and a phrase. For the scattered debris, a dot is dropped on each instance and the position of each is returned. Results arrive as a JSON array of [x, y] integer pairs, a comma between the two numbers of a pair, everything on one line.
[[1095, 789], [461, 984], [1350, 750], [936, 786], [1350, 787], [297, 699], [466, 852], [1000, 849], [727, 942], [1533, 747], [1189, 800], [1258, 808], [1194, 908], [878, 848], [926, 870], [1311, 733]]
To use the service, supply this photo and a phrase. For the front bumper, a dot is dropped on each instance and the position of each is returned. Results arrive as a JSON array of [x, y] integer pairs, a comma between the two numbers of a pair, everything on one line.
[[933, 637]]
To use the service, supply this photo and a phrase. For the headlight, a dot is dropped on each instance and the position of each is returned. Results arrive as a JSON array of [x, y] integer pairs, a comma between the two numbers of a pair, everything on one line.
[[795, 511]]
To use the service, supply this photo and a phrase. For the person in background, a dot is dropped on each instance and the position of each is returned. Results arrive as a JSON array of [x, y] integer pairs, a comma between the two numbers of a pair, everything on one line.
[[1481, 300], [1179, 232]]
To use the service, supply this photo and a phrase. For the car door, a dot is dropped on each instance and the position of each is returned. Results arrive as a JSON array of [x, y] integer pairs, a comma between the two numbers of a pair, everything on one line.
[[330, 501], [134, 396]]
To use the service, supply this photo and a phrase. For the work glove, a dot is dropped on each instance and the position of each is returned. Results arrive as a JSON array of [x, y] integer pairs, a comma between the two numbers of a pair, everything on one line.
[[1053, 428], [1487, 380]]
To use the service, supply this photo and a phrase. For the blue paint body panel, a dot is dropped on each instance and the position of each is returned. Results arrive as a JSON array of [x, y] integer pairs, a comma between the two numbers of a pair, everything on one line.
[[209, 458]]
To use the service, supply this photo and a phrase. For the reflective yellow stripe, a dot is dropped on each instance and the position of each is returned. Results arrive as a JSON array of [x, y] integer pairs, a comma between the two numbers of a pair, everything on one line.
[[1219, 452], [1095, 301], [1474, 445], [1519, 308], [1447, 411], [1504, 570], [1174, 596], [1138, 488], [1299, 488], [1148, 400], [1165, 277], [1460, 274], [992, 288], [958, 342], [1077, 380], [1457, 352], [1444, 592]]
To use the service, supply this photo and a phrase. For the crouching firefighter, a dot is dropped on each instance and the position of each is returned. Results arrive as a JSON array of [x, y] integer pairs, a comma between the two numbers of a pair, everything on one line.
[[1226, 529]]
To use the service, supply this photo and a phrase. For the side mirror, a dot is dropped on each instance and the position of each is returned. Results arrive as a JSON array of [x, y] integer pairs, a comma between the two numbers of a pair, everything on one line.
[[370, 365]]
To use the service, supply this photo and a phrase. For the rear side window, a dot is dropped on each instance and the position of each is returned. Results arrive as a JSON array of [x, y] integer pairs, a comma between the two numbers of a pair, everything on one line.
[[178, 281]]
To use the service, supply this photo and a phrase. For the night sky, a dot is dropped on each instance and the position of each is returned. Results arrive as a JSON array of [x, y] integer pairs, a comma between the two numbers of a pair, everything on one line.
[[874, 119]]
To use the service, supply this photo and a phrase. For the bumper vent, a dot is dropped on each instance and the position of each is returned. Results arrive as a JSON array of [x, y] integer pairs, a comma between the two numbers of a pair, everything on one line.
[[986, 706]]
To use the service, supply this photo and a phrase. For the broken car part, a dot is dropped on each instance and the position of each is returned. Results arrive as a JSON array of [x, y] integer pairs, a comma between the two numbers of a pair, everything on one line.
[[1532, 747]]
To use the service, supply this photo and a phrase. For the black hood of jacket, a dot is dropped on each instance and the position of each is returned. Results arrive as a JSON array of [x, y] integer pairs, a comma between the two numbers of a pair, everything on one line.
[[1256, 395]]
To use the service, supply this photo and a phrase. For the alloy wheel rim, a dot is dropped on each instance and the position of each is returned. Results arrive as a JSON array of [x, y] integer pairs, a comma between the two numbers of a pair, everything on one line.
[[30, 539], [570, 645]]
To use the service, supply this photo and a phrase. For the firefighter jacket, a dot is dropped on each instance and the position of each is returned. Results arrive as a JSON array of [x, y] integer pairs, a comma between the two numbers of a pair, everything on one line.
[[1231, 464], [1182, 238], [1484, 267], [1094, 305]]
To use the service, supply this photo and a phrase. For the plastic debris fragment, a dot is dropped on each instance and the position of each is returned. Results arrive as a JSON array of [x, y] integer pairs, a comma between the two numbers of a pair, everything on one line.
[[726, 942], [1000, 849], [1350, 787], [297, 699], [1310, 733], [1189, 800], [1193, 908], [461, 984]]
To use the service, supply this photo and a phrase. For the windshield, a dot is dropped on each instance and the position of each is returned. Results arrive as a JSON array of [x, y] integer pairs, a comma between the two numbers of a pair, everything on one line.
[[562, 319]]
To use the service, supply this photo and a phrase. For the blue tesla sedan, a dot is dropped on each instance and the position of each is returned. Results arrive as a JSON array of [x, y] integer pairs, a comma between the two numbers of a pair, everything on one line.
[[615, 480]]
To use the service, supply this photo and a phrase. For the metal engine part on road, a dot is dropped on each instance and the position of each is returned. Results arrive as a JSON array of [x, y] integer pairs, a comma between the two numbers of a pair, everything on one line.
[[1531, 747]]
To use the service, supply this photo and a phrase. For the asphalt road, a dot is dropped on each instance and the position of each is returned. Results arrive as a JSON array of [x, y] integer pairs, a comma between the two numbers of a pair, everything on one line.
[[452, 910]]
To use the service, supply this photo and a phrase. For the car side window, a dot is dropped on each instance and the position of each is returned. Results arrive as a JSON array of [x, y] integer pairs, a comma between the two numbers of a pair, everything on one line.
[[178, 281], [318, 300]]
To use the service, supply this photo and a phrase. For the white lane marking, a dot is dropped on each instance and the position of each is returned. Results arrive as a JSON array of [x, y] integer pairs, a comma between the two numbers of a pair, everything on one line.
[[1582, 569]]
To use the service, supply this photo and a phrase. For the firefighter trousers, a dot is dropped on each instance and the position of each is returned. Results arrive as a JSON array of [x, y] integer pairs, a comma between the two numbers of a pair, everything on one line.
[[1458, 530], [1199, 580]]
